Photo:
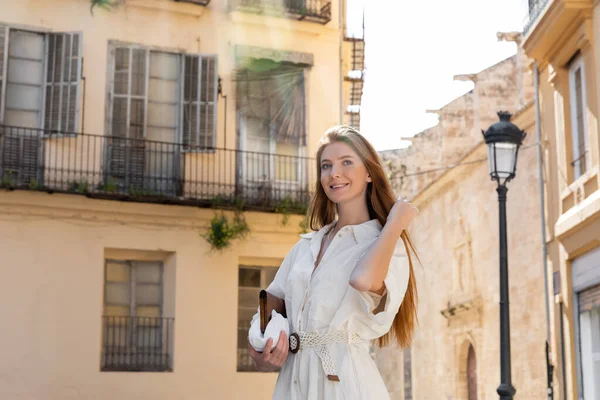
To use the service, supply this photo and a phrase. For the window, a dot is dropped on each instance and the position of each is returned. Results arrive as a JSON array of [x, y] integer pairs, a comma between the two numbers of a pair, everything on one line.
[[251, 281], [163, 96], [39, 79], [589, 341], [136, 334], [271, 106], [159, 101], [39, 89], [579, 140]]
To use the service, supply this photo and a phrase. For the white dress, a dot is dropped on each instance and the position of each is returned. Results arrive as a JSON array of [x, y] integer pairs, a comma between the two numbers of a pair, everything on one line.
[[325, 302]]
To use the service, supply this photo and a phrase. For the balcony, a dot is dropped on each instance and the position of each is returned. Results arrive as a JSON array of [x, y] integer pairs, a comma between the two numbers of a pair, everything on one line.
[[318, 11], [549, 22], [117, 168], [534, 11], [141, 344]]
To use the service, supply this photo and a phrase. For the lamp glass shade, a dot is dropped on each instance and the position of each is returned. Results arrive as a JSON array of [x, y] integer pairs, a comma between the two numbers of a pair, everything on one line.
[[502, 159]]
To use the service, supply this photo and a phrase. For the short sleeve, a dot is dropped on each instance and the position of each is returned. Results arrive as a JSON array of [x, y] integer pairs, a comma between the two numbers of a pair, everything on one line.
[[396, 283], [277, 287]]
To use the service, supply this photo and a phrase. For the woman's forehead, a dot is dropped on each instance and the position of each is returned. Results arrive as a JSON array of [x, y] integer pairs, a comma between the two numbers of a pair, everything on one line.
[[337, 150]]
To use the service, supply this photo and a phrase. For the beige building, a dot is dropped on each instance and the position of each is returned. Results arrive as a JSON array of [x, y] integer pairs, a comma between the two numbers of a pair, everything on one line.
[[561, 38], [456, 350], [131, 134]]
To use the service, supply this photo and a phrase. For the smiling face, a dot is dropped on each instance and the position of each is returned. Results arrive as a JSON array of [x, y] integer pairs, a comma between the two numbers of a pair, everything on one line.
[[344, 176]]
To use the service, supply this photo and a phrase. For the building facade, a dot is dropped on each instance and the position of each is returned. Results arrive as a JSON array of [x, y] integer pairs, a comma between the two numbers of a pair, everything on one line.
[[137, 139], [456, 349], [560, 37]]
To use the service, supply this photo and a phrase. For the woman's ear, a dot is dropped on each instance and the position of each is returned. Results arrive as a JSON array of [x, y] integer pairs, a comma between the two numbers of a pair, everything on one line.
[[369, 178]]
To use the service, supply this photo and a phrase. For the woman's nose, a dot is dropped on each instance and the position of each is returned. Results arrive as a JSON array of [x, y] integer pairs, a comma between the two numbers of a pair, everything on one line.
[[334, 172]]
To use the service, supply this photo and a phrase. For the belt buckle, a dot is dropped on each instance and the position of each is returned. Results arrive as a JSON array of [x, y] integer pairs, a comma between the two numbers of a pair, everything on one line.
[[294, 343]]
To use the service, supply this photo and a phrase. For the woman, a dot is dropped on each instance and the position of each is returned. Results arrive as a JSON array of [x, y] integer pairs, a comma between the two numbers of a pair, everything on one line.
[[346, 284]]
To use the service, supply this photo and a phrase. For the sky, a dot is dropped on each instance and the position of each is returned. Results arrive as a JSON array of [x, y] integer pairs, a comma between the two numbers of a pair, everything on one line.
[[413, 51]]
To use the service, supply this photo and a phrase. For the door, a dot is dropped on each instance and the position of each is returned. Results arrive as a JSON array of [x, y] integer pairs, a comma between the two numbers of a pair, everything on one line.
[[472, 374]]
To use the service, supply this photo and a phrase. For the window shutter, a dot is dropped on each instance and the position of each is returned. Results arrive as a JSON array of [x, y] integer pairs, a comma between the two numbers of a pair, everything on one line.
[[126, 154], [3, 64], [63, 61], [208, 101], [200, 101], [191, 101]]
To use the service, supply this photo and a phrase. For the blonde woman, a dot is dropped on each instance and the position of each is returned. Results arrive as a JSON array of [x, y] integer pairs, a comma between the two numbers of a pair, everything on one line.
[[346, 284]]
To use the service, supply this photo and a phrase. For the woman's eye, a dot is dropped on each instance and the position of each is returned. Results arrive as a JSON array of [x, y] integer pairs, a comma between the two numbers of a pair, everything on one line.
[[347, 162], [325, 166]]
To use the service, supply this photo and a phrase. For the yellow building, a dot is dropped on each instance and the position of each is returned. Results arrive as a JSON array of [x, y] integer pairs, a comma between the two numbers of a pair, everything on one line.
[[561, 37], [130, 131]]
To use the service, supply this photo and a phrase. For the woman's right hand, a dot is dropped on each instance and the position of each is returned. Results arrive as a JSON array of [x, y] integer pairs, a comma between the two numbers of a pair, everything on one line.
[[269, 361]]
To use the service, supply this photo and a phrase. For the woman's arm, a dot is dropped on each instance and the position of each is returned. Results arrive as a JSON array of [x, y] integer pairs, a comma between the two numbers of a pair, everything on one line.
[[371, 270]]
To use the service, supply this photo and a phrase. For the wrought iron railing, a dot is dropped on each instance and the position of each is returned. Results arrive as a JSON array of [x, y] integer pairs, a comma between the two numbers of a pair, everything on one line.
[[124, 169], [534, 11], [307, 10], [137, 344]]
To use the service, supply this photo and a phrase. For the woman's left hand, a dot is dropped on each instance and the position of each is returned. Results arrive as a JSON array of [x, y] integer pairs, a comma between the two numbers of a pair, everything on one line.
[[402, 214]]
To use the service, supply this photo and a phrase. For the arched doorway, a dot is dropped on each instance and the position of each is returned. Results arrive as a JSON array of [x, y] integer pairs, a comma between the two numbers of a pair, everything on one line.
[[471, 374]]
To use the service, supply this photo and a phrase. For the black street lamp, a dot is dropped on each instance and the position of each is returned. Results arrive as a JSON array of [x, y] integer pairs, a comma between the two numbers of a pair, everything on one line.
[[503, 140]]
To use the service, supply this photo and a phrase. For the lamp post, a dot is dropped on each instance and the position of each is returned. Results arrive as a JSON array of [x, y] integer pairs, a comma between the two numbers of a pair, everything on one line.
[[503, 140]]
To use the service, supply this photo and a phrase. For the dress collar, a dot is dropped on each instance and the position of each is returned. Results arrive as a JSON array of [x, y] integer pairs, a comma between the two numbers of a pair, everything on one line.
[[361, 232]]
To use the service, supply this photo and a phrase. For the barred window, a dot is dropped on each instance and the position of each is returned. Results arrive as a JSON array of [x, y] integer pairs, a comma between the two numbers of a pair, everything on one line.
[[251, 280], [136, 336]]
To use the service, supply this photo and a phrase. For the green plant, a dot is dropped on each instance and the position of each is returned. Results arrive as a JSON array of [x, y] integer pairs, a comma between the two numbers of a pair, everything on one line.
[[8, 179], [34, 184], [221, 231], [137, 193], [82, 187], [288, 206], [78, 187], [303, 225], [105, 4], [110, 185]]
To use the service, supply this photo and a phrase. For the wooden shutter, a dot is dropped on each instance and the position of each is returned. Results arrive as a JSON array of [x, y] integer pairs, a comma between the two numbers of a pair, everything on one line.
[[125, 151], [20, 157], [63, 72], [3, 67], [21, 87], [208, 101], [200, 101]]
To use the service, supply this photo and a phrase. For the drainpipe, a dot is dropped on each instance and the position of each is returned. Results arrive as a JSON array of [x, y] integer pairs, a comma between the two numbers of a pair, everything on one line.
[[538, 128]]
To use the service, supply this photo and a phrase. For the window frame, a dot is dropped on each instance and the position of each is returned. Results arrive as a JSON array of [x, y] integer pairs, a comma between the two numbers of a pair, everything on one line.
[[576, 65], [41, 123], [133, 265], [113, 46]]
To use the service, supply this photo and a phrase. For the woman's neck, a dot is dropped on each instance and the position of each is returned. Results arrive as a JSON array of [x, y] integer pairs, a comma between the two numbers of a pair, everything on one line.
[[352, 214]]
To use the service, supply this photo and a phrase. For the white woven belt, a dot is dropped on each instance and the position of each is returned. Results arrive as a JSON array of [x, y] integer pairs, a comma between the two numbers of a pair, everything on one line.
[[320, 342]]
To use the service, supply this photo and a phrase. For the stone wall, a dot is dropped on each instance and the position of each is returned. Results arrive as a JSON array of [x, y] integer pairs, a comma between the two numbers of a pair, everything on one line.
[[456, 234], [504, 86]]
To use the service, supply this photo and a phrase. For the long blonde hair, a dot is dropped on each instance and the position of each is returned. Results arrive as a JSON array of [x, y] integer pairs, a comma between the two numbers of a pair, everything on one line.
[[380, 199]]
